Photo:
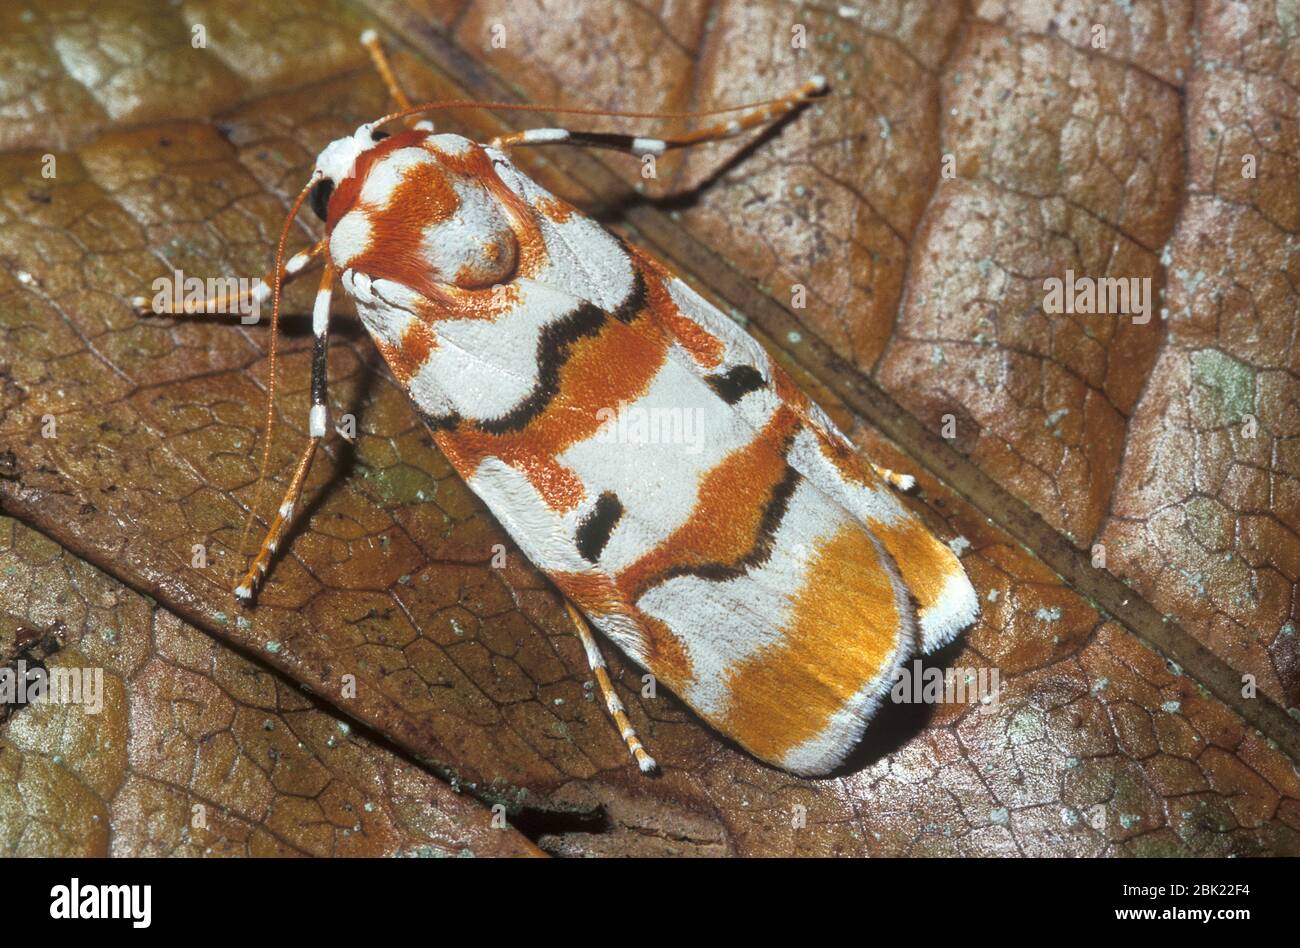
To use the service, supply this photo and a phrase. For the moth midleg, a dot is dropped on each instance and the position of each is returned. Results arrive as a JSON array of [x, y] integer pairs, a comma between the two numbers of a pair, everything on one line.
[[612, 704], [641, 145], [903, 482], [295, 266], [317, 421]]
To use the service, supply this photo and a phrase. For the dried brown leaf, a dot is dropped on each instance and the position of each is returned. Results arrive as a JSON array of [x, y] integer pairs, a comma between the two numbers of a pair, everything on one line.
[[922, 287]]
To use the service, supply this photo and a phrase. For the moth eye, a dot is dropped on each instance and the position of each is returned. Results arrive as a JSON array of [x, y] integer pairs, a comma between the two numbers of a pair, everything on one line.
[[320, 196]]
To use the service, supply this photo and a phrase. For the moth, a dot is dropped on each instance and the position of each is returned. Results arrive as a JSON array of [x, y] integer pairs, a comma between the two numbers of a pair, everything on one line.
[[763, 571]]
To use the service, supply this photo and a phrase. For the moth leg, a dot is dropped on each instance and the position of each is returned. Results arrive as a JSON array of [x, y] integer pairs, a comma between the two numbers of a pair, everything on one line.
[[317, 420], [639, 146], [260, 291], [612, 703], [370, 40], [903, 482]]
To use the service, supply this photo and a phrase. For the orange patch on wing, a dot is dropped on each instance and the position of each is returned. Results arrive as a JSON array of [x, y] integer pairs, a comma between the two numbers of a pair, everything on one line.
[[726, 524], [925, 563], [704, 347], [593, 592], [560, 487], [454, 303], [843, 629], [665, 652], [614, 366], [597, 595], [406, 358], [553, 209], [786, 389]]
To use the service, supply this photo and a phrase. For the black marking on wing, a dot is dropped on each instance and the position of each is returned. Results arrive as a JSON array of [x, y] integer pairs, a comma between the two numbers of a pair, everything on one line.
[[553, 350], [774, 510], [595, 529], [736, 383], [436, 423], [554, 347], [629, 311]]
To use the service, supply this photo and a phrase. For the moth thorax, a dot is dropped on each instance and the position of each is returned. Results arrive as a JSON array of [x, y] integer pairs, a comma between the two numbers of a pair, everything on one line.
[[475, 246]]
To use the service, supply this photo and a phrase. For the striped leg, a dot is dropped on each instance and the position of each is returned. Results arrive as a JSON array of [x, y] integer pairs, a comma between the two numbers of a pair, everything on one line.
[[903, 482], [370, 40], [657, 146], [259, 292], [612, 704], [316, 424]]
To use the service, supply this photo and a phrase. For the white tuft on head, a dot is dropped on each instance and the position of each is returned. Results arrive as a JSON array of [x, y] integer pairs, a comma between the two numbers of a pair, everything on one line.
[[647, 764], [368, 37], [339, 159], [818, 83]]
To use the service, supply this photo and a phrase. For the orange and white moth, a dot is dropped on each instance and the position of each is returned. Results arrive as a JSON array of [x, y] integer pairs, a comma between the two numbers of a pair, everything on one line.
[[762, 570]]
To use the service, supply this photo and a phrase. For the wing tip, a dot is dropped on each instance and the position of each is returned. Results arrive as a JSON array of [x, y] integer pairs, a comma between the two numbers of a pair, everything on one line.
[[824, 753], [956, 608]]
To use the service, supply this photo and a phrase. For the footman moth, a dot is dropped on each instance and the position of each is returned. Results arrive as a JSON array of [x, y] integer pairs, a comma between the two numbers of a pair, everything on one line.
[[764, 572]]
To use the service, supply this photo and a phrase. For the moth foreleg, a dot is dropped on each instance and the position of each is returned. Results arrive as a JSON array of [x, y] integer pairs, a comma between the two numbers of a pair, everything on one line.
[[642, 145], [612, 703], [259, 290], [317, 421]]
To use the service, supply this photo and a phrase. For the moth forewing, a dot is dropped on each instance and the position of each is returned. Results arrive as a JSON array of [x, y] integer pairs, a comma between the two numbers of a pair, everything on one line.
[[641, 449]]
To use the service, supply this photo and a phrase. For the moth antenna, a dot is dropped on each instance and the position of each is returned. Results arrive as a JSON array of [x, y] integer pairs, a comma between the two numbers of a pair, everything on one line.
[[271, 362], [817, 83]]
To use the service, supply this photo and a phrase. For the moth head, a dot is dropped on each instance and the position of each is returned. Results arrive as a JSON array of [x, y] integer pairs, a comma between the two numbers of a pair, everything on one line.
[[423, 210], [339, 161]]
